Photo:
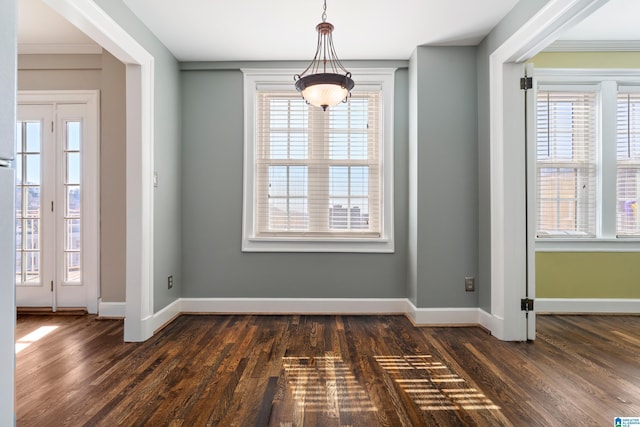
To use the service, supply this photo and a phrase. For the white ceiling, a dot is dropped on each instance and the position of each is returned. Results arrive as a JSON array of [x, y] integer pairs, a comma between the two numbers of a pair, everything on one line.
[[196, 30], [616, 20], [216, 30]]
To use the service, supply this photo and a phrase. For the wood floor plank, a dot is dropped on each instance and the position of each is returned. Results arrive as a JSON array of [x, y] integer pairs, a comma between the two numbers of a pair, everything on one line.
[[324, 371]]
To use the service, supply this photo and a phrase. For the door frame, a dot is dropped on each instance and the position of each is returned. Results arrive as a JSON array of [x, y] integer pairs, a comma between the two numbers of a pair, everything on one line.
[[139, 63], [90, 181], [507, 210]]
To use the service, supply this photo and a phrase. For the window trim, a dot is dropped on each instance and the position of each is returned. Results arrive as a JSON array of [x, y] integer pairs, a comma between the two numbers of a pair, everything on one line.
[[606, 239], [282, 78]]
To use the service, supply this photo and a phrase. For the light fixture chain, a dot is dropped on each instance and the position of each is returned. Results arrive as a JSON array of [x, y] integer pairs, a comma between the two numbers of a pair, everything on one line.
[[324, 12]]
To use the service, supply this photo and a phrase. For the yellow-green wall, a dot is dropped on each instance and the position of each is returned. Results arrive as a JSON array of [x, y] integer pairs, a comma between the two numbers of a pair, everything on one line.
[[587, 274], [586, 60]]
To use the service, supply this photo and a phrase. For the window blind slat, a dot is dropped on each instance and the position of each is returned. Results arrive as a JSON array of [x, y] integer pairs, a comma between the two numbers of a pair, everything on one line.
[[628, 164]]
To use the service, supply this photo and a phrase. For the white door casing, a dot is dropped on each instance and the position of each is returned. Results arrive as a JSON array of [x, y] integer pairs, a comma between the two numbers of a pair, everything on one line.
[[508, 256], [93, 21]]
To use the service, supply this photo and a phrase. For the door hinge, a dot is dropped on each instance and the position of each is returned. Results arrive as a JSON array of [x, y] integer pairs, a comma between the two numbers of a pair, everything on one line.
[[526, 83], [526, 304], [51, 206], [52, 286], [51, 126]]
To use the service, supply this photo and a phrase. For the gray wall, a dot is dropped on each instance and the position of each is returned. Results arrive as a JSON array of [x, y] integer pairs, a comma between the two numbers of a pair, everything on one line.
[[107, 74], [213, 264], [167, 155], [442, 187], [438, 242], [520, 14]]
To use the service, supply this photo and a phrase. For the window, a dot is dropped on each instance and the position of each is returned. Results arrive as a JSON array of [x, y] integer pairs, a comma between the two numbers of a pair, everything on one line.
[[566, 163], [628, 164], [315, 180], [587, 160]]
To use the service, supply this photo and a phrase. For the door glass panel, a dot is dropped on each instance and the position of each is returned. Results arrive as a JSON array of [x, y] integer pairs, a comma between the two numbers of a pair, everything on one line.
[[73, 234], [72, 211], [32, 169], [73, 201], [73, 136], [72, 267], [28, 209], [73, 168], [33, 136], [32, 267], [32, 209]]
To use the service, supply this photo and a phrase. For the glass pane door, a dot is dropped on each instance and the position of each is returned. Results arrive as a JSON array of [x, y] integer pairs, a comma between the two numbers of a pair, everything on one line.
[[28, 202], [72, 203], [35, 187]]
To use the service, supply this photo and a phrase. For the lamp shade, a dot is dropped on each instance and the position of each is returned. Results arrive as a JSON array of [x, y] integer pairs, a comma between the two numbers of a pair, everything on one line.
[[325, 89]]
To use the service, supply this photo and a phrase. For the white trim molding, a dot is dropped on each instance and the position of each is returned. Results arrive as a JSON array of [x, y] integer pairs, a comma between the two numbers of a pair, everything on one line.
[[112, 310], [442, 316], [448, 316], [420, 317], [508, 216], [593, 46], [295, 305], [167, 315], [97, 24], [587, 306]]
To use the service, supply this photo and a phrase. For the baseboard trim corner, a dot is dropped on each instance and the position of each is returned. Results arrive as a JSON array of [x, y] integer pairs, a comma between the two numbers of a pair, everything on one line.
[[111, 310], [448, 316], [165, 316]]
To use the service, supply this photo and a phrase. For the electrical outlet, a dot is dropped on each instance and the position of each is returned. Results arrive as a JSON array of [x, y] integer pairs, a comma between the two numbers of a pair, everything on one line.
[[469, 284], [170, 282]]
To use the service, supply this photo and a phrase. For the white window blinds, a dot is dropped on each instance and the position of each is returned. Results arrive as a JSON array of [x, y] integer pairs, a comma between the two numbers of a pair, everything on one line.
[[628, 164], [317, 174], [566, 164]]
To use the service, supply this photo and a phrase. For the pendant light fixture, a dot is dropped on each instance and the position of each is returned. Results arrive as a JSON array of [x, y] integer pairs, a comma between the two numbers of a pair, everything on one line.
[[325, 82]]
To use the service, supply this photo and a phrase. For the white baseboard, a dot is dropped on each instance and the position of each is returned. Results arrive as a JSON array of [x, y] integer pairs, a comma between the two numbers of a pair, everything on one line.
[[587, 305], [167, 314], [442, 316], [420, 317], [491, 323], [361, 306], [294, 305], [111, 309]]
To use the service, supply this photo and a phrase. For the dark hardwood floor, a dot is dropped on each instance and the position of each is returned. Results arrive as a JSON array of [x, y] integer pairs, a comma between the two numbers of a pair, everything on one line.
[[324, 371]]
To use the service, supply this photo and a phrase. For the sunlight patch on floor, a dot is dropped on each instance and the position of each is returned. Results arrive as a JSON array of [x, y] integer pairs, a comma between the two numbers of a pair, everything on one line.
[[34, 336], [325, 384], [432, 385]]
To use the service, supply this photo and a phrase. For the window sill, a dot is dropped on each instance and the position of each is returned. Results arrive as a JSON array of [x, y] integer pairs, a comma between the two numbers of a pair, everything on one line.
[[622, 244], [354, 245]]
